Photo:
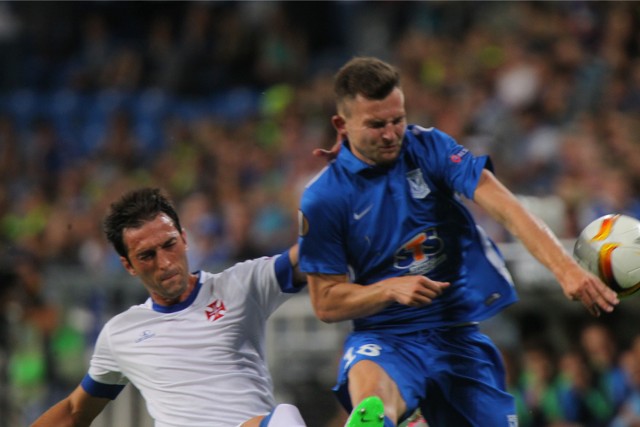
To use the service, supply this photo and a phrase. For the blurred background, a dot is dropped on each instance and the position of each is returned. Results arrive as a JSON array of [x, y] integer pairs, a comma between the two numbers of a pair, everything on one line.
[[221, 103]]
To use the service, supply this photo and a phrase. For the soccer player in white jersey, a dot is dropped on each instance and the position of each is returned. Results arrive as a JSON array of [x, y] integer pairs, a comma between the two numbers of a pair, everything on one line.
[[195, 348]]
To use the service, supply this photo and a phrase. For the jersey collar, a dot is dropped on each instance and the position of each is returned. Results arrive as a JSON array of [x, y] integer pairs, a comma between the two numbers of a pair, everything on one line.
[[181, 305], [354, 165]]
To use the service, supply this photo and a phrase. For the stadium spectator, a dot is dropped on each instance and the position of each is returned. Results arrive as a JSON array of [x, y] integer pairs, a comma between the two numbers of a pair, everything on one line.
[[583, 402], [603, 357], [539, 386]]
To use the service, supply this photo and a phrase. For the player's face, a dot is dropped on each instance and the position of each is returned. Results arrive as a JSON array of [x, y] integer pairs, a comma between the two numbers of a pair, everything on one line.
[[158, 256], [374, 128]]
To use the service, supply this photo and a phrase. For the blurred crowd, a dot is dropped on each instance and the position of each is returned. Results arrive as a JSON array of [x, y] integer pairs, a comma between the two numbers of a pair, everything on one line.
[[593, 383], [221, 104]]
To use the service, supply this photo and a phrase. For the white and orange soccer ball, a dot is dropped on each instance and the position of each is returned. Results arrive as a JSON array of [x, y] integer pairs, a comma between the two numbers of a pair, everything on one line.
[[609, 247]]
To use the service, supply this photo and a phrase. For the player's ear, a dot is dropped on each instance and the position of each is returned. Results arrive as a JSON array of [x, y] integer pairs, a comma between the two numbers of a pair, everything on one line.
[[127, 266], [339, 124]]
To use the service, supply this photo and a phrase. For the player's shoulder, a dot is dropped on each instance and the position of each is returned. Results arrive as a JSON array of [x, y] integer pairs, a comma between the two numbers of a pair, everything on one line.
[[249, 264], [429, 144], [330, 184], [333, 173], [239, 272], [132, 315], [427, 135]]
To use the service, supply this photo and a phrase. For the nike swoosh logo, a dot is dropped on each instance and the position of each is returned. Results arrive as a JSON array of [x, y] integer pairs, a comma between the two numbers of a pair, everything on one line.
[[358, 216]]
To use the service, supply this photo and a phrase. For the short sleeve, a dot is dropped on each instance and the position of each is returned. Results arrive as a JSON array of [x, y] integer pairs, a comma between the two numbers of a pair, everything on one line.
[[456, 165], [322, 248], [103, 368]]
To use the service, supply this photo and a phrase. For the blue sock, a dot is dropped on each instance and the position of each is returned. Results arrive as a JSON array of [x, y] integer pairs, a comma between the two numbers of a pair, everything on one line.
[[388, 422]]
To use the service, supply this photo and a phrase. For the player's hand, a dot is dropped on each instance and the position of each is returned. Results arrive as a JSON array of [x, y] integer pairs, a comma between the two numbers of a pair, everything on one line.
[[590, 291], [414, 291], [332, 153]]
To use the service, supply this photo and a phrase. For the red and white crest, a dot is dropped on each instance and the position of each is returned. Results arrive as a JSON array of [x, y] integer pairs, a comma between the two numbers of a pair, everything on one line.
[[215, 310]]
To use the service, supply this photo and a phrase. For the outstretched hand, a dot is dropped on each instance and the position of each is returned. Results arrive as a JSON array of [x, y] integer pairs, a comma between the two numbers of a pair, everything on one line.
[[590, 291]]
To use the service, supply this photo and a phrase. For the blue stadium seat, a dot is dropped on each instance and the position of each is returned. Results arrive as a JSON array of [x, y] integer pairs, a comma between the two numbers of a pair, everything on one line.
[[24, 105], [236, 104]]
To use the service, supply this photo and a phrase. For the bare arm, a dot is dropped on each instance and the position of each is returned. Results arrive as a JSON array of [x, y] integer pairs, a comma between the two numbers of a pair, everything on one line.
[[334, 299], [78, 409], [576, 283]]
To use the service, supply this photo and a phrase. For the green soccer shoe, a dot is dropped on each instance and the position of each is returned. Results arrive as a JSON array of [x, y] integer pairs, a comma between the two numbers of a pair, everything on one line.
[[369, 413]]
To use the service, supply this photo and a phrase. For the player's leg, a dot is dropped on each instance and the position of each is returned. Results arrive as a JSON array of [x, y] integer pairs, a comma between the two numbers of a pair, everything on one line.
[[373, 391], [283, 415], [253, 422], [470, 390], [385, 366], [415, 420]]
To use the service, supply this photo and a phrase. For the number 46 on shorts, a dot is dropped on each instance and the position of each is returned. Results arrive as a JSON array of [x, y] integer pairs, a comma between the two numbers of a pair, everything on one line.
[[369, 350]]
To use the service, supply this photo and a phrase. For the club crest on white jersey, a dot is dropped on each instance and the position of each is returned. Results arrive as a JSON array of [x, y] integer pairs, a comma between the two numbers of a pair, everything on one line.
[[215, 310]]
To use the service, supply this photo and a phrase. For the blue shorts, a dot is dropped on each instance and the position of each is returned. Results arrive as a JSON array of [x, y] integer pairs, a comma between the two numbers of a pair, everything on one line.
[[455, 375]]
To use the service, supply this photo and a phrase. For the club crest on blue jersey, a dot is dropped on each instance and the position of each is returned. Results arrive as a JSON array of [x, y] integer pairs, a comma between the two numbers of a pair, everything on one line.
[[419, 189]]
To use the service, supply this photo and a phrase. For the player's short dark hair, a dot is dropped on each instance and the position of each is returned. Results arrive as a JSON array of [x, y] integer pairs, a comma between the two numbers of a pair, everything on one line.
[[134, 209], [367, 76]]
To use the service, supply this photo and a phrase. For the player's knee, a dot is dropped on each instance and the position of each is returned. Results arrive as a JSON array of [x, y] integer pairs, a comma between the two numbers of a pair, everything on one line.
[[285, 415]]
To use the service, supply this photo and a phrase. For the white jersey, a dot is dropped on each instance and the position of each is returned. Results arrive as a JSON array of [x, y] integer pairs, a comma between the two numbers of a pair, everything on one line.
[[201, 362]]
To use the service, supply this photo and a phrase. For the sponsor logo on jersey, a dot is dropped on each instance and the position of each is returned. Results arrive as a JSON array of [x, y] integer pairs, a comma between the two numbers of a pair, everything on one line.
[[421, 254], [358, 215], [215, 310], [145, 335], [419, 189]]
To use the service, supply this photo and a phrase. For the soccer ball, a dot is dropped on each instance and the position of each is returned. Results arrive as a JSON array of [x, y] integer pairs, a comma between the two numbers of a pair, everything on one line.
[[609, 247]]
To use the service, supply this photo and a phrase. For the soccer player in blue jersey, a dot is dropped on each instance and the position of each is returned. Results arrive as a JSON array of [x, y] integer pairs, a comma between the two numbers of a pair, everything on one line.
[[387, 243]]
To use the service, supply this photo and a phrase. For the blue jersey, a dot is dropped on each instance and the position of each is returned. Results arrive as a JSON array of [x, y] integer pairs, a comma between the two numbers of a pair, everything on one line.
[[377, 222]]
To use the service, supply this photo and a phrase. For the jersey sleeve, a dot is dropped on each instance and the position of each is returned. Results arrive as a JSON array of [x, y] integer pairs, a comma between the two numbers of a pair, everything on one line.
[[266, 282], [97, 389], [322, 249], [104, 378], [457, 166], [285, 274]]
